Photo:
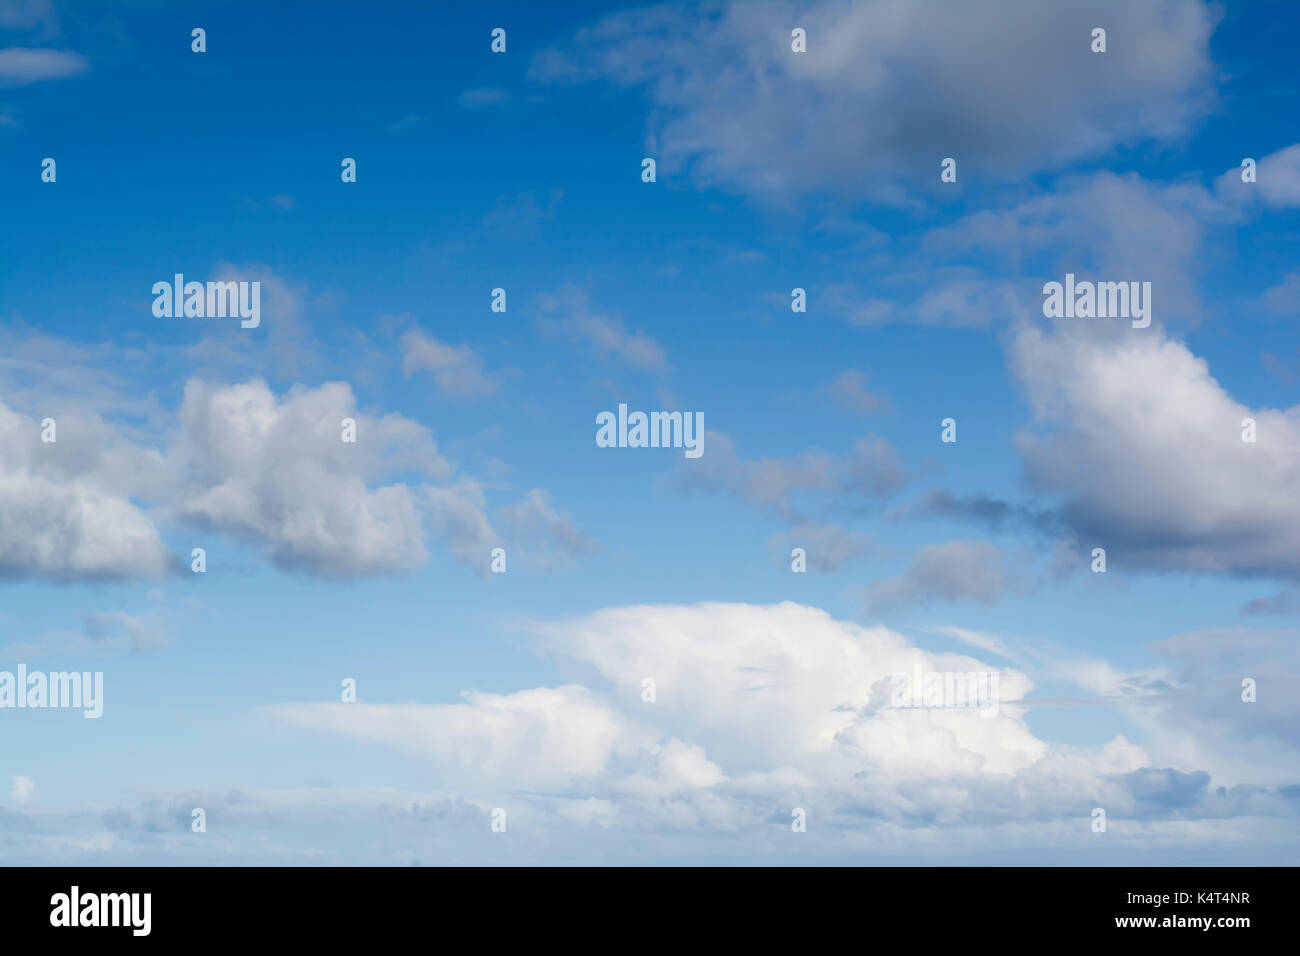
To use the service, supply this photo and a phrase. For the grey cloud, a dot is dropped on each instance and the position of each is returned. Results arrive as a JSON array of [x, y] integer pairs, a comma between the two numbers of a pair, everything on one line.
[[954, 571], [1285, 602], [1145, 450], [542, 536], [569, 312], [1277, 181], [871, 469], [848, 391], [1103, 225], [994, 513], [456, 370], [1006, 88], [65, 507], [827, 547], [1200, 718], [104, 633]]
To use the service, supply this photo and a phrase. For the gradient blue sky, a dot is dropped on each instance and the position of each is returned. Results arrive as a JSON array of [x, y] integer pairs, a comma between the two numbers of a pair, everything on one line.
[[776, 170]]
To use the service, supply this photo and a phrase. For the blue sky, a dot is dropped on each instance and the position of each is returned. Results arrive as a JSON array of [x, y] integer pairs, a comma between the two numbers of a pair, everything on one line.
[[776, 170]]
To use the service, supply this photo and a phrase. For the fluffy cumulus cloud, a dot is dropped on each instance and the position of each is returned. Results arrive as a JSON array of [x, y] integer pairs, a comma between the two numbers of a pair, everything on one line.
[[278, 472], [756, 711], [786, 687], [717, 720], [274, 470], [66, 509], [1144, 449], [1005, 87], [268, 469]]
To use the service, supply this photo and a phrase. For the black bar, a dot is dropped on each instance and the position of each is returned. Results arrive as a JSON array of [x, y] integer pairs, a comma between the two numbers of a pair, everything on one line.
[[670, 907]]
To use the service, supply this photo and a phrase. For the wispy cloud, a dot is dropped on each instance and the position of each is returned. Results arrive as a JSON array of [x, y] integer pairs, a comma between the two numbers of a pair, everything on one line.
[[19, 66]]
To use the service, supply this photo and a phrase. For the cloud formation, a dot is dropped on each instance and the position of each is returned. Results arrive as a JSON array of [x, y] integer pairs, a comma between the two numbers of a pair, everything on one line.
[[989, 83], [456, 370], [871, 469], [1144, 449], [268, 469], [759, 709], [65, 506], [19, 66], [569, 312]]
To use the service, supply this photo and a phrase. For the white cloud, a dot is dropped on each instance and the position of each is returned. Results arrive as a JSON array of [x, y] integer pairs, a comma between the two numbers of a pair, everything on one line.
[[456, 370], [1145, 449], [265, 468], [1277, 181], [758, 709], [746, 696], [766, 687], [275, 470], [534, 738], [761, 708]]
